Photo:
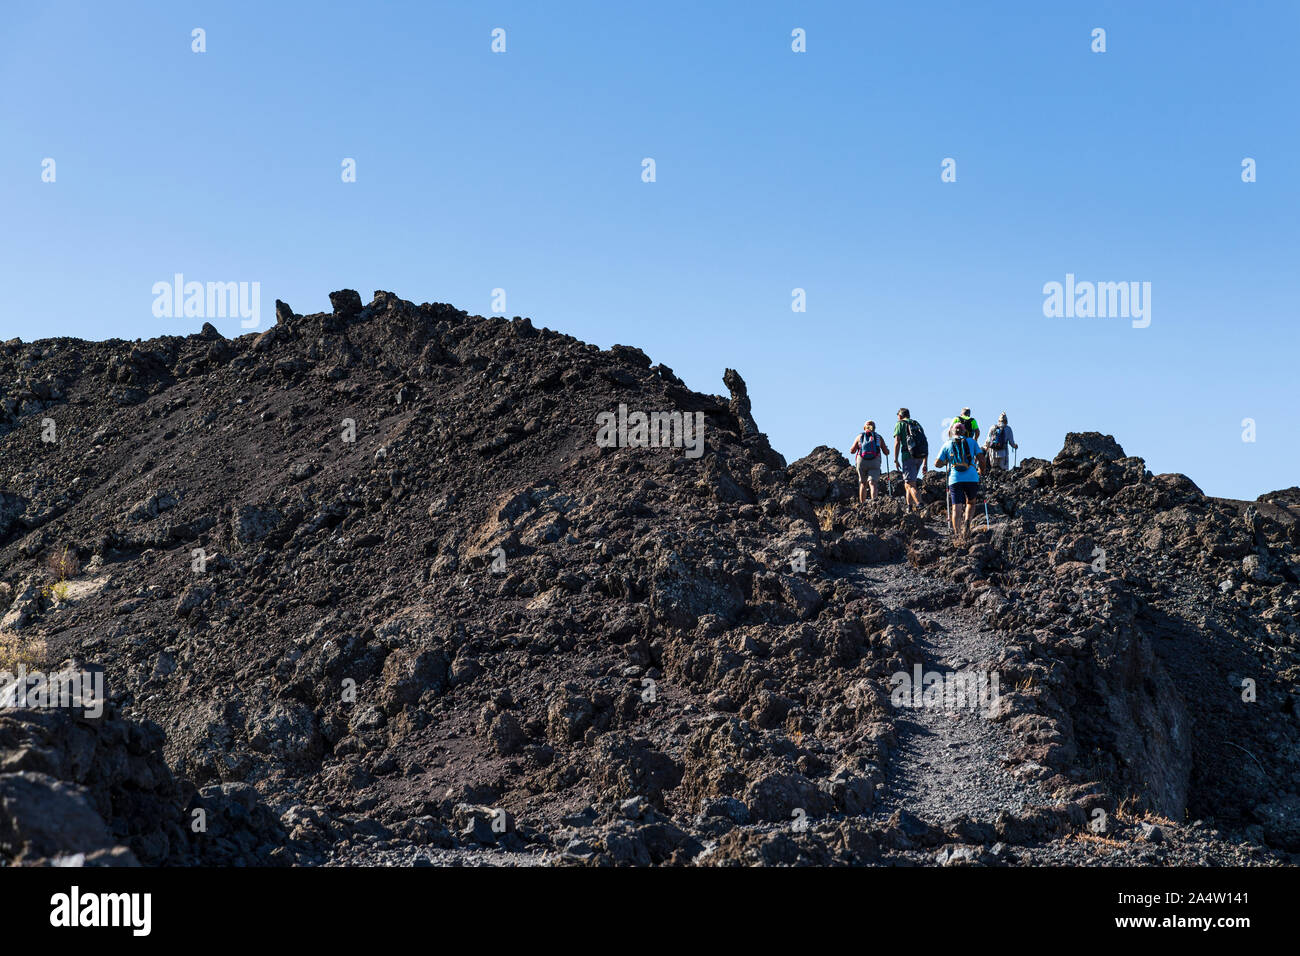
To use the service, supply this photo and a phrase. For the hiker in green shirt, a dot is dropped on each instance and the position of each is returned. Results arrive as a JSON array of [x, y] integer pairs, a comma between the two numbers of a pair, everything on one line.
[[968, 420], [910, 451]]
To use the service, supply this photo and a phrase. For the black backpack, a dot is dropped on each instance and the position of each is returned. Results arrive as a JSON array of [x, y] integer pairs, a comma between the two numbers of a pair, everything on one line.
[[914, 441], [999, 437]]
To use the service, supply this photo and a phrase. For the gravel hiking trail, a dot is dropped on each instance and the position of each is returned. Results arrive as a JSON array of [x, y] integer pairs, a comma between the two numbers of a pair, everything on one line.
[[949, 760]]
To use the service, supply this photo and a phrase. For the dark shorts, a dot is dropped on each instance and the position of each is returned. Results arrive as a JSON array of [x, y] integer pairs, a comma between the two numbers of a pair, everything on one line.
[[912, 467], [963, 492]]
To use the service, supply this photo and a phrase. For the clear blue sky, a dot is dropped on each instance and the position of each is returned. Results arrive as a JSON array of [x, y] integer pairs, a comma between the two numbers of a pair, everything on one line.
[[775, 170]]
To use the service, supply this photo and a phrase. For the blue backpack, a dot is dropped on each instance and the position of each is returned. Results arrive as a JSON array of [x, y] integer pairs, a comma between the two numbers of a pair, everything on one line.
[[961, 456], [873, 442]]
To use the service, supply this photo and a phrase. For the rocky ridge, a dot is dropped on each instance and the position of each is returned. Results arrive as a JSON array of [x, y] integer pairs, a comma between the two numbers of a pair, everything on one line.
[[366, 589]]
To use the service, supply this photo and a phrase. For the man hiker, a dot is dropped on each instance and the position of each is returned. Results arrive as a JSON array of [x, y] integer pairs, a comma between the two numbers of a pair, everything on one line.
[[972, 426], [1000, 439], [868, 446], [910, 451], [962, 452]]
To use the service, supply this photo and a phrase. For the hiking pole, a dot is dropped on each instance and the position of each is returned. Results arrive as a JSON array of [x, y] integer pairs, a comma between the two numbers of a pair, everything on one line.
[[986, 514]]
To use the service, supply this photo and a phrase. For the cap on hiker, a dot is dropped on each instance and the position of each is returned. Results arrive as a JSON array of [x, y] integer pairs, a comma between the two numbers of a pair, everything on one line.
[[965, 413], [959, 428], [1002, 419]]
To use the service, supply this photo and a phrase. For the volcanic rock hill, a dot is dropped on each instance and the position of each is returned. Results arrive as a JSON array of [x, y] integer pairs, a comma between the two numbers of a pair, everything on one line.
[[367, 590]]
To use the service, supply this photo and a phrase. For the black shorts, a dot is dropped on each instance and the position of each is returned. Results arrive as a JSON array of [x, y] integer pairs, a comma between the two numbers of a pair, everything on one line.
[[963, 492]]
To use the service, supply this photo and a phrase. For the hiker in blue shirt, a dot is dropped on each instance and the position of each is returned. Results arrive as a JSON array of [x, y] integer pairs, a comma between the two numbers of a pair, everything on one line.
[[962, 453], [868, 447]]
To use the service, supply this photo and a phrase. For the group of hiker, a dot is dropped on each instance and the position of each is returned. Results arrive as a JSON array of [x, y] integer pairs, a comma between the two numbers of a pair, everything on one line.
[[961, 454]]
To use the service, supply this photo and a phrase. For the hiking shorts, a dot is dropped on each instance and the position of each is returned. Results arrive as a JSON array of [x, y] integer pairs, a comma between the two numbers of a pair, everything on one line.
[[868, 468], [998, 459], [963, 492], [911, 469]]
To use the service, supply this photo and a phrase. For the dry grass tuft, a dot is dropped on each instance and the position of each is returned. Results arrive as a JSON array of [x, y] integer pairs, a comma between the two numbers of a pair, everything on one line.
[[1099, 843], [17, 651], [826, 516], [61, 565]]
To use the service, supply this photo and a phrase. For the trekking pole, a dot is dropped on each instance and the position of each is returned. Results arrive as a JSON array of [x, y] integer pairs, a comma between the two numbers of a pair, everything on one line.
[[986, 514]]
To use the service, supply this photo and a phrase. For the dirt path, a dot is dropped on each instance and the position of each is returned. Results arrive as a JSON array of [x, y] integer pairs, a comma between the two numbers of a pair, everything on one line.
[[949, 759]]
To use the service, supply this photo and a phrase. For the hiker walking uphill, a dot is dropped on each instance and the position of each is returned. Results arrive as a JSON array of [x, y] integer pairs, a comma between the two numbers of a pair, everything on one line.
[[868, 446], [910, 451], [968, 420], [1000, 439], [962, 452]]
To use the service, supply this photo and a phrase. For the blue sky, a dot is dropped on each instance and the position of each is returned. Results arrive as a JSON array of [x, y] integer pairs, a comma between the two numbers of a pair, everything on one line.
[[775, 170]]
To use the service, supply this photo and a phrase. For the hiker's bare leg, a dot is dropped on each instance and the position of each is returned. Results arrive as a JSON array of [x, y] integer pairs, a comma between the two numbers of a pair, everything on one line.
[[862, 492], [873, 488], [970, 510]]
